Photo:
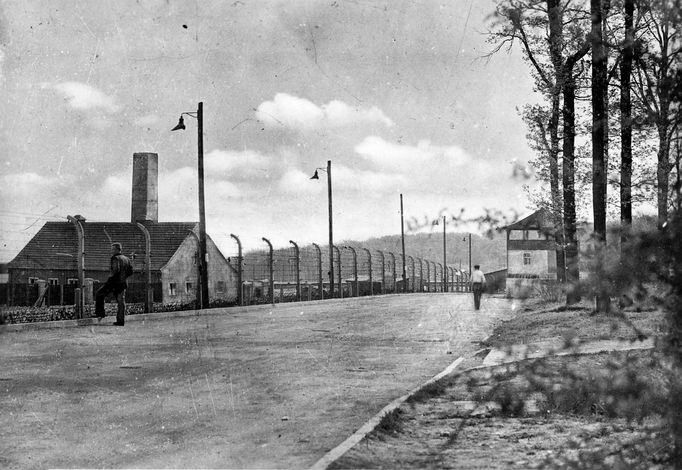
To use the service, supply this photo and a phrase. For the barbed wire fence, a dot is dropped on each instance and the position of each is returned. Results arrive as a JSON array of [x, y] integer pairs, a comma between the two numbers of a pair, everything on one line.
[[266, 275], [302, 273]]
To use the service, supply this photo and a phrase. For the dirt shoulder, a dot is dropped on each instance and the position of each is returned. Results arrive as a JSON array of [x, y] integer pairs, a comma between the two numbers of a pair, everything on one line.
[[598, 410]]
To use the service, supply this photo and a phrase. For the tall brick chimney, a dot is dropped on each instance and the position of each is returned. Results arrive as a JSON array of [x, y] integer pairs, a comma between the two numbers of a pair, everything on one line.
[[145, 201]]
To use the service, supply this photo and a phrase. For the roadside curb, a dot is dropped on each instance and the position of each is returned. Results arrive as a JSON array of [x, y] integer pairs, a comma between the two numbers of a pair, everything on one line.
[[334, 454]]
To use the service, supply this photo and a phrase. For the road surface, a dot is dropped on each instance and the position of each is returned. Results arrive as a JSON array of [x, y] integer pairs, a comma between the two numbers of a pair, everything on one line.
[[264, 387]]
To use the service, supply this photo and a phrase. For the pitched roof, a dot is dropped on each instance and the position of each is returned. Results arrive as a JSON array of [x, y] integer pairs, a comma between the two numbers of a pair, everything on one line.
[[55, 246], [538, 220]]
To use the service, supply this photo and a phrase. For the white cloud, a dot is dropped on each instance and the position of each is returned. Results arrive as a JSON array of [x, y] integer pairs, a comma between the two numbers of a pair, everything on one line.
[[339, 113], [367, 182], [297, 182], [83, 96], [226, 161], [300, 113], [405, 158], [24, 181]]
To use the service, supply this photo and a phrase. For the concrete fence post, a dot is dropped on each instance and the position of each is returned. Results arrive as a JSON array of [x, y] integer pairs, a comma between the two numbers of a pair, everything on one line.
[[271, 278], [338, 255], [355, 270], [369, 258], [320, 284], [149, 293], [383, 273], [395, 277], [240, 273], [428, 276], [297, 267]]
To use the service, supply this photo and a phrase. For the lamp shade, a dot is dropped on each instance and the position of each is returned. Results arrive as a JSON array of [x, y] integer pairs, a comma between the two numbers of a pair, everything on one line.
[[180, 125]]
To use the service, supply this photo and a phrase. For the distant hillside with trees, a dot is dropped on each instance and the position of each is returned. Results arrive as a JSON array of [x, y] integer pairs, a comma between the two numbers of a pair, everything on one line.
[[491, 254]]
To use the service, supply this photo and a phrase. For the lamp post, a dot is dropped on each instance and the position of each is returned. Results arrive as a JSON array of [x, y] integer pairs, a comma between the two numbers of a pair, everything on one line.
[[331, 226], [203, 262]]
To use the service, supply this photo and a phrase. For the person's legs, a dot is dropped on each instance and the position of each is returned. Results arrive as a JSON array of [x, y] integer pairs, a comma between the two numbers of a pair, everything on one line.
[[102, 293], [121, 312], [477, 295]]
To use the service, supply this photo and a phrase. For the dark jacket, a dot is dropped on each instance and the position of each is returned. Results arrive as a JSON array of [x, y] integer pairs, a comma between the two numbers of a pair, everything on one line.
[[117, 269]]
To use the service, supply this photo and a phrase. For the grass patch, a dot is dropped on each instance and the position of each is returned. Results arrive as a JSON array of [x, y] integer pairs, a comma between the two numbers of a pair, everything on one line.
[[432, 390], [391, 424], [579, 322]]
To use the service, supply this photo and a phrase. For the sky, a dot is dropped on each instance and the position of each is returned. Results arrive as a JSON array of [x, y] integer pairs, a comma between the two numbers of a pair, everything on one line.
[[398, 94]]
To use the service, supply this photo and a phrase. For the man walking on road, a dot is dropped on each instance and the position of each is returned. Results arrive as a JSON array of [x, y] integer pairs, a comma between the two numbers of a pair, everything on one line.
[[119, 270], [477, 285]]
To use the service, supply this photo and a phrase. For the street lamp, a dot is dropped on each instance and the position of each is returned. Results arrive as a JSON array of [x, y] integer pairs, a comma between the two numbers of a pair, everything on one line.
[[203, 263], [331, 229]]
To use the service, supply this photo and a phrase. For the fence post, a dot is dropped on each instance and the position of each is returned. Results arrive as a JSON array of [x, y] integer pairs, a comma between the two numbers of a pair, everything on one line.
[[383, 272], [149, 293], [371, 286], [395, 278], [355, 270], [319, 272], [412, 262], [338, 254], [428, 276], [76, 221], [421, 275], [298, 270], [441, 277], [271, 275], [240, 281]]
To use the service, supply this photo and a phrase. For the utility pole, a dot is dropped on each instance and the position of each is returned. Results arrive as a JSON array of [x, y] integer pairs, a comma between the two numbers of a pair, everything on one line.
[[469, 254], [445, 262], [402, 238]]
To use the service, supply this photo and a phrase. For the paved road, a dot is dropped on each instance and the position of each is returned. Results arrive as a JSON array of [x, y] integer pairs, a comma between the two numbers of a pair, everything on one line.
[[267, 387]]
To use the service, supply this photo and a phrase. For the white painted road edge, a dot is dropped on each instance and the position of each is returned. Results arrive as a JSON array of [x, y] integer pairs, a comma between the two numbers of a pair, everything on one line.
[[369, 426]]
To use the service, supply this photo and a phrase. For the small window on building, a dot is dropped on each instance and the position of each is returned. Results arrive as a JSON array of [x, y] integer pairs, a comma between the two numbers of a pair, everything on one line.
[[53, 281], [526, 259], [525, 234], [188, 288], [33, 280], [72, 282], [173, 288], [220, 286]]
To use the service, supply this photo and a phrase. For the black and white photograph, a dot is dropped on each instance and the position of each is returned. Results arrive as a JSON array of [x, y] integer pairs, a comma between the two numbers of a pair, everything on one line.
[[341, 234]]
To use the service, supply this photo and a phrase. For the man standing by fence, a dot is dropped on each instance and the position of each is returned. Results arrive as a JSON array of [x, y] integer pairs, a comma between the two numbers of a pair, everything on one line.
[[120, 269], [477, 285]]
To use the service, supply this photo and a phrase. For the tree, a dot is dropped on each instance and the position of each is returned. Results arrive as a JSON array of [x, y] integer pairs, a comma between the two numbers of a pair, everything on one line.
[[658, 57], [554, 40], [528, 23], [626, 118], [599, 123]]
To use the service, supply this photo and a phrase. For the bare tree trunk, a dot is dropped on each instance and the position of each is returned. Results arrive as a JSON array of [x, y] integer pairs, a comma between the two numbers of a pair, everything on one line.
[[556, 41], [572, 271], [626, 121], [555, 189], [599, 116], [663, 170]]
